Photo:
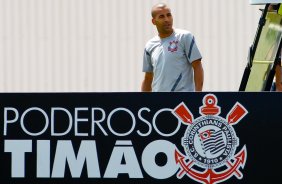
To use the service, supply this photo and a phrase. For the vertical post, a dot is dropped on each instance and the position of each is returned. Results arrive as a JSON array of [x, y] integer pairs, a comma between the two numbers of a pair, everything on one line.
[[252, 50], [271, 74]]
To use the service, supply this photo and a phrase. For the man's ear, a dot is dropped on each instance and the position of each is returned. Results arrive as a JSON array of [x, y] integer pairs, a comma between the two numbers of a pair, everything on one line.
[[153, 21]]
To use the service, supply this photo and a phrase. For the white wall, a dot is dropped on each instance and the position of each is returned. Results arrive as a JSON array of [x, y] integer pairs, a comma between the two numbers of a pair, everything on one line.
[[97, 45]]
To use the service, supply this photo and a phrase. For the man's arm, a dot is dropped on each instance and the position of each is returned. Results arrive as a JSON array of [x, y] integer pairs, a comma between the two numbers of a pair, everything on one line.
[[278, 78], [147, 82], [198, 74]]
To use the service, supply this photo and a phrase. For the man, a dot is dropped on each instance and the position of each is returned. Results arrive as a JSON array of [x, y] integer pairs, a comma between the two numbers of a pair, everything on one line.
[[172, 61], [277, 86], [278, 78]]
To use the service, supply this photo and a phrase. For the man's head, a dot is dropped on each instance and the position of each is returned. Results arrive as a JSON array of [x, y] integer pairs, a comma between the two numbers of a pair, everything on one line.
[[162, 19]]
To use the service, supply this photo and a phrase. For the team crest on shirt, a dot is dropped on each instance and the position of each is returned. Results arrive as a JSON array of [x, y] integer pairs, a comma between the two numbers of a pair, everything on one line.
[[173, 46]]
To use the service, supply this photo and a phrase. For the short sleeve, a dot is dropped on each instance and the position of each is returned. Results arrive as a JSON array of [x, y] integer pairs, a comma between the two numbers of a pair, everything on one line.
[[191, 49], [147, 64]]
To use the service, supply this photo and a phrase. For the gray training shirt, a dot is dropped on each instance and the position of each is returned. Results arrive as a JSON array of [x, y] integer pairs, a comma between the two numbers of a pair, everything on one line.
[[170, 60]]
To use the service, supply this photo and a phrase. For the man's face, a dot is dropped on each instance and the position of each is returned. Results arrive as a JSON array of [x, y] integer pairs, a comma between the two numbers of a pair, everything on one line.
[[163, 20]]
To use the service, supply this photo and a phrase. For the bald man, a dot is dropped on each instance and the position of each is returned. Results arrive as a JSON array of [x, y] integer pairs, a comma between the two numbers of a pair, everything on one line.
[[172, 60]]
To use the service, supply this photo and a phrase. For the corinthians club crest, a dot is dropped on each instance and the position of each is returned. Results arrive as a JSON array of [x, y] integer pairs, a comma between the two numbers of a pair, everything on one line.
[[173, 46], [210, 143]]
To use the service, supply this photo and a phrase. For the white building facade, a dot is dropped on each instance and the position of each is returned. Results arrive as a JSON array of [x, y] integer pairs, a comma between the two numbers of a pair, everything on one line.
[[97, 45]]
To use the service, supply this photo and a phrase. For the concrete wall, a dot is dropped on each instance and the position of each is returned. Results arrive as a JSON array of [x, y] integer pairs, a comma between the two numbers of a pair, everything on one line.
[[97, 45]]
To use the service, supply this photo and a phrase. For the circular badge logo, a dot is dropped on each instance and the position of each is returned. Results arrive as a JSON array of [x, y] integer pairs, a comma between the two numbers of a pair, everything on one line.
[[172, 46], [210, 141]]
